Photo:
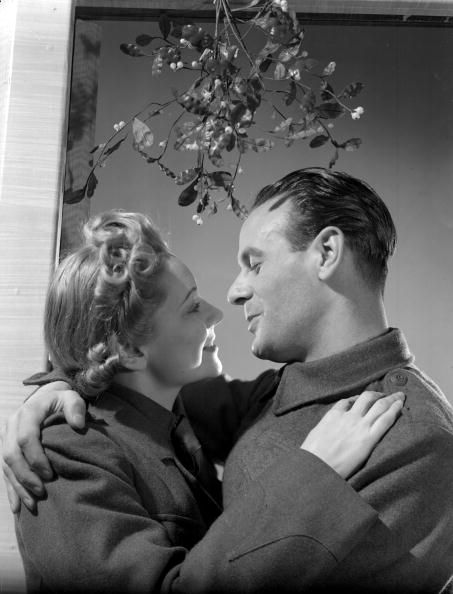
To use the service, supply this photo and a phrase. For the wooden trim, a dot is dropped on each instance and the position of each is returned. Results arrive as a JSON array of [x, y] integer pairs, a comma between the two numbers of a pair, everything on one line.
[[403, 11], [36, 46]]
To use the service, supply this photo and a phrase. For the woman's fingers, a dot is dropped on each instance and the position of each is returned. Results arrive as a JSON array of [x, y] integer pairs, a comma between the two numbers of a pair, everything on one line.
[[347, 434], [365, 401], [382, 405], [384, 421]]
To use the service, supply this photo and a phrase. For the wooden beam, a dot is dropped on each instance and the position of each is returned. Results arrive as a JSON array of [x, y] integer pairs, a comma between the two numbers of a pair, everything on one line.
[[35, 45]]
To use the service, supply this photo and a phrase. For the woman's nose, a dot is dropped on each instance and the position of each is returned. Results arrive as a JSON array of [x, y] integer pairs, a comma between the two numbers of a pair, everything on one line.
[[215, 315]]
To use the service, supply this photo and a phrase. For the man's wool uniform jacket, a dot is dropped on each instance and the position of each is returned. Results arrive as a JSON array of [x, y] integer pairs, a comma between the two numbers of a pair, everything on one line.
[[124, 515], [407, 481]]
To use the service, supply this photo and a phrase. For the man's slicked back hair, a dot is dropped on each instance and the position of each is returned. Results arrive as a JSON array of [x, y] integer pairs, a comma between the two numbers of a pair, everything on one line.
[[321, 198]]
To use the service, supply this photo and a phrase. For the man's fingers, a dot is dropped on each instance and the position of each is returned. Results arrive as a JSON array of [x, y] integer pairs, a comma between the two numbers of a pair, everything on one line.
[[16, 466], [17, 493], [74, 409], [29, 453], [13, 497]]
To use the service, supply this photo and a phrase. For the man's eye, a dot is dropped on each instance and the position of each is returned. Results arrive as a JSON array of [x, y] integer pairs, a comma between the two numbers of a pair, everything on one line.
[[256, 267], [195, 307]]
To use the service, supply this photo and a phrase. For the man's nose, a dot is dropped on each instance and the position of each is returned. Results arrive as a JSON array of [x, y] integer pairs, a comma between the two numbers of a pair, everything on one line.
[[239, 292]]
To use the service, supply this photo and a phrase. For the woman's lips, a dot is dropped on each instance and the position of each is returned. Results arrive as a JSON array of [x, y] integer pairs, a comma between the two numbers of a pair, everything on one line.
[[210, 348]]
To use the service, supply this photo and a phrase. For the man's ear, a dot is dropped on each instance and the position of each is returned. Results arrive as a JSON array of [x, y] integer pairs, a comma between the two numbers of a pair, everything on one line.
[[329, 245], [133, 358]]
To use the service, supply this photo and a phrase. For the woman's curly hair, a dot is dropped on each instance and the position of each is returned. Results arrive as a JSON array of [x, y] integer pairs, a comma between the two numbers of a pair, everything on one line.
[[102, 298]]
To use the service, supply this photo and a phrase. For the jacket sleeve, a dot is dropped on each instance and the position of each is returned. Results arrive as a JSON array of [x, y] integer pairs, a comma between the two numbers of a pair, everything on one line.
[[93, 533], [94, 522], [218, 408], [408, 481], [282, 535]]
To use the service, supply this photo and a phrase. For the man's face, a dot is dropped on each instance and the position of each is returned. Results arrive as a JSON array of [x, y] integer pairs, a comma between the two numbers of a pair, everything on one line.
[[278, 287]]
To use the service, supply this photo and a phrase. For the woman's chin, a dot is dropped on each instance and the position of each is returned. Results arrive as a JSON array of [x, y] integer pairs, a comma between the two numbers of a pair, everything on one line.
[[211, 365]]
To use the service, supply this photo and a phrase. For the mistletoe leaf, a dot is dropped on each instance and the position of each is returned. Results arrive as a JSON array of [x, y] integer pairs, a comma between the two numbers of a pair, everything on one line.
[[264, 65], [318, 140], [114, 147], [164, 25], [239, 210], [280, 71], [330, 110], [261, 145], [237, 113], [270, 48], [215, 156], [143, 136], [186, 176], [290, 52], [143, 40], [221, 179], [189, 194], [352, 90], [92, 182], [74, 196], [168, 172], [327, 92], [351, 145], [291, 95], [132, 49], [308, 102]]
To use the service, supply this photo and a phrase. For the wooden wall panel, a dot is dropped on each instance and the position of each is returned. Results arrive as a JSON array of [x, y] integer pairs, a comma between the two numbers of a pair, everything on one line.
[[35, 50]]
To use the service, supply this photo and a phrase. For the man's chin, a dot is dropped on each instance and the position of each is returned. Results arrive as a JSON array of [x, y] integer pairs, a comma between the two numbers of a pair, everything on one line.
[[260, 351], [266, 352]]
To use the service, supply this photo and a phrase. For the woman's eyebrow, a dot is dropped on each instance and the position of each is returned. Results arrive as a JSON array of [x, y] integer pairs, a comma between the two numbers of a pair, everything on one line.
[[189, 293]]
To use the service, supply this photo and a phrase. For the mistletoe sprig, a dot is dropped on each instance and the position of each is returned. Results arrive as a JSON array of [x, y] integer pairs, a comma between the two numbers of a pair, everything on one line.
[[217, 118]]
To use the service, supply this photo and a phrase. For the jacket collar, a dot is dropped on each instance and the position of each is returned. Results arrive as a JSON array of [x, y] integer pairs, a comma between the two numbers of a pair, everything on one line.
[[120, 405], [341, 374]]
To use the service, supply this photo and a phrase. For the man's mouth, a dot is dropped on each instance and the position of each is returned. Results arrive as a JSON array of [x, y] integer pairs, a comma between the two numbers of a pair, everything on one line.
[[253, 321]]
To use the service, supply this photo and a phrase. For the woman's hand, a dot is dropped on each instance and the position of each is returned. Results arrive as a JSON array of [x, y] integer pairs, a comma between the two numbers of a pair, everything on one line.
[[24, 461], [348, 433]]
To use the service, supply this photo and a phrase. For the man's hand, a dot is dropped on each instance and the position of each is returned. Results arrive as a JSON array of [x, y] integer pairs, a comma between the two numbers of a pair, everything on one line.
[[347, 434], [24, 461]]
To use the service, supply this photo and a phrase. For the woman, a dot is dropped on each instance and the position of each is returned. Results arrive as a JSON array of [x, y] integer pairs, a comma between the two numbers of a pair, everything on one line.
[[133, 498]]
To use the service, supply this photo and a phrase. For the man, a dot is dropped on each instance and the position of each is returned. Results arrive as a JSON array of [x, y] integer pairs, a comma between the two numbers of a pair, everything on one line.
[[313, 256]]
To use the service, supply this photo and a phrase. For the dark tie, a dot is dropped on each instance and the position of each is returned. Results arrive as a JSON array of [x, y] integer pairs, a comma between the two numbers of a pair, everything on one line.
[[190, 454]]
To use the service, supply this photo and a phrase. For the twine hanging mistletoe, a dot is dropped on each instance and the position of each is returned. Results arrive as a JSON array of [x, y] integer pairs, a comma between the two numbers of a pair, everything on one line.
[[218, 111]]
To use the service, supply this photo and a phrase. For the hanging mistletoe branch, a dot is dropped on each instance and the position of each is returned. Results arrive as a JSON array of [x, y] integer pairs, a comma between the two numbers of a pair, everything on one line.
[[230, 86]]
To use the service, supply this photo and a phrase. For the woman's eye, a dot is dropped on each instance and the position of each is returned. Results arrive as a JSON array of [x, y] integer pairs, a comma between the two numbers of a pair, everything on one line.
[[255, 267], [195, 307]]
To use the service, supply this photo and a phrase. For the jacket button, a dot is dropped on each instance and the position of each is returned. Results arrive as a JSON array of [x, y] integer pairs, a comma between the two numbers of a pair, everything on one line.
[[398, 378]]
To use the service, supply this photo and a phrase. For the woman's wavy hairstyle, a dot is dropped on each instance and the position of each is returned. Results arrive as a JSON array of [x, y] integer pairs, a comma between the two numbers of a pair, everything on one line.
[[102, 298]]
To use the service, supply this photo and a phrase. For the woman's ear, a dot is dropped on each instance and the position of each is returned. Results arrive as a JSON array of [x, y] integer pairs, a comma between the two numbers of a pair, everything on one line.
[[132, 358], [329, 244]]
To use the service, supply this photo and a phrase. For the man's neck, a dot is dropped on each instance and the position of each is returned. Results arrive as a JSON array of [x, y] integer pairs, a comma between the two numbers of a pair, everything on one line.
[[348, 326]]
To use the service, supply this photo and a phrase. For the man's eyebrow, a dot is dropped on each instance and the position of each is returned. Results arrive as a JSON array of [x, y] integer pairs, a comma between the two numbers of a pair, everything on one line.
[[189, 293], [248, 253]]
